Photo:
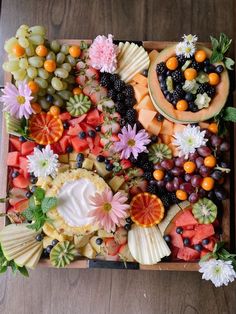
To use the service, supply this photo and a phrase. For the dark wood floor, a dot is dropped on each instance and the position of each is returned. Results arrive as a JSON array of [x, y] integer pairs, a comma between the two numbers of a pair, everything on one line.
[[113, 291]]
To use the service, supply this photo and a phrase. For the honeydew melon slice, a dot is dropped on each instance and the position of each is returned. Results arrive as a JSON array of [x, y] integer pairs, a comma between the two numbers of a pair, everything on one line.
[[24, 258], [14, 253], [34, 259]]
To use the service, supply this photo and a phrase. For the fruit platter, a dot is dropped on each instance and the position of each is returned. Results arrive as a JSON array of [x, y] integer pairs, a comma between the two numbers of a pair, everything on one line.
[[116, 154]]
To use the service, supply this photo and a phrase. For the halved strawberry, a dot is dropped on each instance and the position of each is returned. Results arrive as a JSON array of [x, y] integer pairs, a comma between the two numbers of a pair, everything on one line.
[[21, 205], [90, 87], [80, 65], [125, 164], [98, 95], [92, 74], [112, 246], [137, 185], [81, 79], [16, 195], [121, 236], [111, 126]]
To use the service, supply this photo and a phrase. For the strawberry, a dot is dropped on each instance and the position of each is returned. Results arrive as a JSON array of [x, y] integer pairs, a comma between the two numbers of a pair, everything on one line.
[[137, 185], [112, 246], [92, 73], [125, 164], [16, 195], [81, 79], [100, 93], [112, 126], [133, 173], [107, 103], [80, 65], [115, 116], [121, 236]]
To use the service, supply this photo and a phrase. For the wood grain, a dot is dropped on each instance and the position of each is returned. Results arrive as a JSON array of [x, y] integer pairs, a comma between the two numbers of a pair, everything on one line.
[[116, 291]]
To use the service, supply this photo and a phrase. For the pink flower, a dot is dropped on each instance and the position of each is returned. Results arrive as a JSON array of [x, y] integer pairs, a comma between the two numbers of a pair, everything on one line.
[[131, 142], [103, 53], [17, 101], [109, 210]]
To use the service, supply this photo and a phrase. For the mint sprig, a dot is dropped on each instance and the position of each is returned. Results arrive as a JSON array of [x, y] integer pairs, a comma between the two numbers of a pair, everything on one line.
[[39, 205], [219, 48]]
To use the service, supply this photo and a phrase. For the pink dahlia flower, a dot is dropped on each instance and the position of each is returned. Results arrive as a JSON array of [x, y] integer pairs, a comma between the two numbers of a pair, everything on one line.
[[109, 210], [17, 101], [131, 142], [103, 53]]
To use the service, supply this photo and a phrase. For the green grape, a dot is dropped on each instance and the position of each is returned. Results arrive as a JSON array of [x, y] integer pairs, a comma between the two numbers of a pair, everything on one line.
[[60, 58], [44, 103], [19, 75], [51, 75], [51, 56], [23, 63], [37, 30], [71, 60], [65, 49], [9, 44], [65, 94], [41, 82], [50, 90], [36, 39], [11, 66], [30, 50], [32, 72], [42, 92], [57, 100], [64, 84], [22, 32], [66, 66], [23, 42], [62, 73], [57, 84], [70, 79], [55, 46], [43, 73], [36, 61], [12, 57], [27, 78]]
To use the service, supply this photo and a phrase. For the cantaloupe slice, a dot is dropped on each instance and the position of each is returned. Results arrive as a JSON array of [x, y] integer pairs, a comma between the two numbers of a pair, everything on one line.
[[167, 127], [155, 127], [145, 103], [140, 79], [204, 125], [174, 149], [165, 138], [145, 117], [178, 127], [140, 91]]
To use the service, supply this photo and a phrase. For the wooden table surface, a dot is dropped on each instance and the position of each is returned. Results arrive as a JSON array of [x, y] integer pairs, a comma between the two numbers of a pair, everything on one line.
[[112, 291]]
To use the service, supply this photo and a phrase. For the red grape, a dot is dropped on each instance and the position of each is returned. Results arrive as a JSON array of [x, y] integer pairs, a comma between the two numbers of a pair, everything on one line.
[[193, 198], [199, 162], [216, 140], [177, 171], [160, 184], [167, 164], [224, 147], [196, 181], [158, 167], [170, 187], [202, 193], [177, 182], [193, 156], [187, 177], [220, 193], [208, 133], [179, 162], [217, 175], [204, 171], [204, 151], [187, 187]]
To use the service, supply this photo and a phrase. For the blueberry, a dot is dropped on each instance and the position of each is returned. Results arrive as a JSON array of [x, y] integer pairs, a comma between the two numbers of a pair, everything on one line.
[[107, 161], [207, 69], [165, 92], [82, 134], [163, 85], [33, 180], [128, 220], [160, 117], [22, 139], [206, 62], [161, 78], [98, 128], [79, 164], [91, 133], [186, 241], [54, 242], [192, 107], [66, 125], [100, 158], [49, 248], [167, 238], [49, 98], [109, 167], [39, 237], [179, 230], [28, 194], [80, 157], [168, 177], [69, 149], [127, 227], [205, 241], [15, 174], [169, 97], [219, 69], [33, 188], [198, 247], [145, 72], [45, 254], [189, 97], [99, 241]]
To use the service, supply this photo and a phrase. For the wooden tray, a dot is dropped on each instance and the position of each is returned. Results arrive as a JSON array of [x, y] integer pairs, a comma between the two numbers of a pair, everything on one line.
[[86, 263]]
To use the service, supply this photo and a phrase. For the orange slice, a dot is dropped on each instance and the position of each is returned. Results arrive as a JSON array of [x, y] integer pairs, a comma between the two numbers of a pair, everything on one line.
[[146, 209], [44, 128]]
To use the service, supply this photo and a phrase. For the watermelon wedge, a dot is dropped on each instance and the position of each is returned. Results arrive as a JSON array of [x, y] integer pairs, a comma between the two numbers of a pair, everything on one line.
[[188, 254], [185, 219], [13, 159], [27, 148], [15, 143], [203, 232]]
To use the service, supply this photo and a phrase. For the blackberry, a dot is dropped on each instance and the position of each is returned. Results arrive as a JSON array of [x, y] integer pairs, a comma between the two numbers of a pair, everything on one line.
[[211, 91], [177, 76], [120, 97], [172, 198], [112, 94], [180, 90], [195, 65], [181, 59], [121, 110], [114, 77], [139, 126], [148, 175], [169, 97], [147, 166], [203, 88], [161, 191], [151, 189], [105, 81], [161, 68], [129, 102], [176, 96], [132, 159], [119, 85], [129, 91], [131, 116], [165, 200], [142, 158], [122, 122]]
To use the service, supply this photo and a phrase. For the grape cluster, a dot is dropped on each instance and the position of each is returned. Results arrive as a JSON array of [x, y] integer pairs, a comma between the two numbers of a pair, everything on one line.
[[45, 66]]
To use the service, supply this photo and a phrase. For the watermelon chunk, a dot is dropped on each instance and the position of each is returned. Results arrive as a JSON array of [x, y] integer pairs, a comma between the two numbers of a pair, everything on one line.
[[56, 147], [204, 252], [203, 232], [21, 205], [16, 195], [13, 159], [64, 142], [74, 130], [93, 117], [188, 234], [23, 161], [16, 143], [76, 121], [185, 219], [210, 246], [79, 144], [27, 148], [21, 182], [188, 254], [65, 116], [176, 239]]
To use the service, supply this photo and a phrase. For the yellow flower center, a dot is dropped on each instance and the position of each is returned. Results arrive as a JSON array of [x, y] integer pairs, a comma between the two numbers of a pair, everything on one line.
[[20, 99], [188, 49], [131, 142], [107, 207]]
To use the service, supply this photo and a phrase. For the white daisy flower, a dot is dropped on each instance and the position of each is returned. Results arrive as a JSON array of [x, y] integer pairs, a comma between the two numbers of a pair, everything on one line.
[[179, 49], [190, 38], [188, 140], [188, 49], [43, 163], [202, 101], [218, 271]]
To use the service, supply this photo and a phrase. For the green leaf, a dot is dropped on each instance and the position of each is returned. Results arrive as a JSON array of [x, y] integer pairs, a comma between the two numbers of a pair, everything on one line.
[[23, 270], [28, 214], [229, 63], [39, 193], [218, 246], [229, 114], [48, 203], [33, 203], [216, 56], [206, 257], [3, 269], [214, 43]]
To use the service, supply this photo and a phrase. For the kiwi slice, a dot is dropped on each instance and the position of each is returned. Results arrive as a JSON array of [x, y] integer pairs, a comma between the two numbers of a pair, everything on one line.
[[158, 152], [78, 105], [205, 211], [62, 254]]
